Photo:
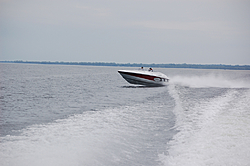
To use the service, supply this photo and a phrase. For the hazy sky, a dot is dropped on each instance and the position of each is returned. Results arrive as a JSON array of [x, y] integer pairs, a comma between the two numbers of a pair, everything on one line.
[[122, 31]]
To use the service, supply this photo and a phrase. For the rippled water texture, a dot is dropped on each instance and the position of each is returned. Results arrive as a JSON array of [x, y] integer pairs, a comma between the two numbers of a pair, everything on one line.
[[83, 115]]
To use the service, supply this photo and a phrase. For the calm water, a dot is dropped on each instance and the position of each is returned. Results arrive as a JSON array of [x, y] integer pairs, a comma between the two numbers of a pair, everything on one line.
[[79, 115]]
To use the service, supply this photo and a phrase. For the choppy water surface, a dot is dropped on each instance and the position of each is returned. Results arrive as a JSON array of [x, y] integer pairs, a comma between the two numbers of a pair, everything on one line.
[[79, 115]]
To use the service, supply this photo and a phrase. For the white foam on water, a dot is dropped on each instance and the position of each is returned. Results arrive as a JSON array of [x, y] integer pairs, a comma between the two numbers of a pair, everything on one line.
[[79, 140], [210, 80], [117, 136], [53, 144], [216, 132]]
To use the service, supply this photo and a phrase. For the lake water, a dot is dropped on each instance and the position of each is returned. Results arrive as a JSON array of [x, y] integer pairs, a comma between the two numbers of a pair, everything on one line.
[[58, 115]]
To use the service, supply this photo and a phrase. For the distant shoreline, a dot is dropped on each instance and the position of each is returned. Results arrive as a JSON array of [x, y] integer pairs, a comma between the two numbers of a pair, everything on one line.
[[170, 65]]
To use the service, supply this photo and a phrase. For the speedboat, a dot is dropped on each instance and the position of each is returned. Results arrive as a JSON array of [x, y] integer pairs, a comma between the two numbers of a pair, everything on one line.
[[143, 77]]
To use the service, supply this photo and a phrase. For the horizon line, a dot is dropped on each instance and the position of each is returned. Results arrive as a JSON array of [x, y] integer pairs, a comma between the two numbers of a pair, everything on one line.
[[135, 63]]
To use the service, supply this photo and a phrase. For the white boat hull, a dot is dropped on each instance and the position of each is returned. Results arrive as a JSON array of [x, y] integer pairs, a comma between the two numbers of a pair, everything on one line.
[[145, 78]]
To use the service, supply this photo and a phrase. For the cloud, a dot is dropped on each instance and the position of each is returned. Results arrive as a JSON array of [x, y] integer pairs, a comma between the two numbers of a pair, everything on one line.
[[199, 25], [94, 11], [54, 12], [189, 30]]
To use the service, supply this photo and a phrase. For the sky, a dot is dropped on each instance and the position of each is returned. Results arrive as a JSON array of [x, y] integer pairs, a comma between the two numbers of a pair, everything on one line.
[[126, 31]]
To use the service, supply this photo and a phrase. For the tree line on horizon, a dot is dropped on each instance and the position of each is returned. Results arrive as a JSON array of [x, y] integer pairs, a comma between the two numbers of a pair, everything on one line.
[[170, 65]]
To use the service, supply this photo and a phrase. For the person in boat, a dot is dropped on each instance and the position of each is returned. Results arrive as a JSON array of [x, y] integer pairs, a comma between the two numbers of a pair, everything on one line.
[[150, 69], [141, 68]]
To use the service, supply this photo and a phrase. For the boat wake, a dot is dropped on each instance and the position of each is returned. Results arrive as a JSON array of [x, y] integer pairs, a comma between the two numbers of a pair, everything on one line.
[[214, 130], [217, 81]]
